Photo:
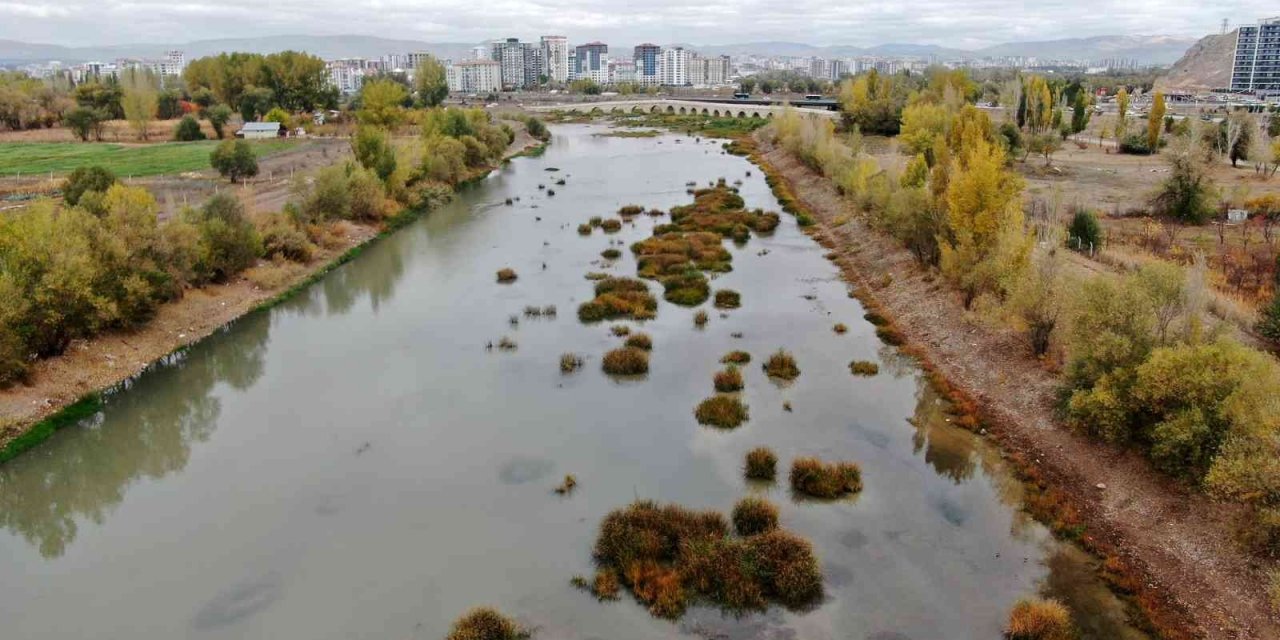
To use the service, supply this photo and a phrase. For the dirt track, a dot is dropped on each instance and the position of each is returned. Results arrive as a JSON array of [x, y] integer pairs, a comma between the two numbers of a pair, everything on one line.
[[1193, 578]]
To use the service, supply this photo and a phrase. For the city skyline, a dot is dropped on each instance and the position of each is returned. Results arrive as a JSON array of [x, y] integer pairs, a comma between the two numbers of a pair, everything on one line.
[[965, 25]]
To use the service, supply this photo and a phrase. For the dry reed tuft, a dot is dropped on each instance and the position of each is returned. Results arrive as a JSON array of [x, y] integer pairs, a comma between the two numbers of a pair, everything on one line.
[[812, 477], [728, 379], [626, 361], [725, 412], [752, 516], [1036, 619], [863, 368], [506, 274], [782, 365], [762, 464]]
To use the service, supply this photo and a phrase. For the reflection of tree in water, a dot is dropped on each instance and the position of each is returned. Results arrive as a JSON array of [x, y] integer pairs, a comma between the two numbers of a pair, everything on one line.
[[376, 272], [145, 430], [947, 448]]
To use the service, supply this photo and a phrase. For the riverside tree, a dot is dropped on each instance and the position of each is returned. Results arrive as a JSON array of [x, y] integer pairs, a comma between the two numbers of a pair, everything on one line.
[[430, 82]]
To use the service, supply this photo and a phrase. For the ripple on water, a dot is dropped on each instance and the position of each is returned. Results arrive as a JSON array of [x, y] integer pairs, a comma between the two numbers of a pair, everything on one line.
[[238, 602], [523, 469]]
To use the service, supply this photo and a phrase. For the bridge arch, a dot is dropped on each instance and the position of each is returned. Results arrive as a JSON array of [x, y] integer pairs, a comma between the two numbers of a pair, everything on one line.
[[742, 114], [716, 113], [671, 109]]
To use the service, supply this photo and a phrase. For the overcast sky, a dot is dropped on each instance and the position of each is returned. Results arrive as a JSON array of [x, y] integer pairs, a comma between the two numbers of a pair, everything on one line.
[[953, 23]]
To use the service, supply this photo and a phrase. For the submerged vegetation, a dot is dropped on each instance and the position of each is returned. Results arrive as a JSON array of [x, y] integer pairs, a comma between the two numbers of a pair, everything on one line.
[[782, 365], [725, 412], [812, 477], [671, 557]]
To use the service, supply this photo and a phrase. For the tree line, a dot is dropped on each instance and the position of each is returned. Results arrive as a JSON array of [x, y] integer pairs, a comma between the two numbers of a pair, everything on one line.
[[1144, 367]]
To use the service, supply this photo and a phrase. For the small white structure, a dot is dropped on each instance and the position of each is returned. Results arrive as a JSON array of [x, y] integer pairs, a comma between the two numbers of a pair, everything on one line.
[[1237, 215], [258, 130]]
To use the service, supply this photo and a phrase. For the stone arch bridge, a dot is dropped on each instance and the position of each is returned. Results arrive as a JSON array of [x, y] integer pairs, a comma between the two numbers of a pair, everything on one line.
[[683, 107]]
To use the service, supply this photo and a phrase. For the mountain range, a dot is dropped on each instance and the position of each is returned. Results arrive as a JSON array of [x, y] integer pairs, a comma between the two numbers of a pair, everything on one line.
[[1144, 49]]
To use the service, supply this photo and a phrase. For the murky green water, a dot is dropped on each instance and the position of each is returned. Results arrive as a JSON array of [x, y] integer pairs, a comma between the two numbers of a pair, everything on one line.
[[355, 464]]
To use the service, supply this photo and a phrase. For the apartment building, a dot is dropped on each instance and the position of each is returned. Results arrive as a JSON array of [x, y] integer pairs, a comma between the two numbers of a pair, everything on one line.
[[674, 69], [593, 62], [555, 58], [1256, 67], [475, 76], [648, 60]]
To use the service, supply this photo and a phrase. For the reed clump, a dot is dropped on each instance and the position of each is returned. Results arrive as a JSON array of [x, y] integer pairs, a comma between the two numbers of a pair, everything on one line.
[[752, 515], [584, 229], [782, 365], [629, 210], [485, 623], [863, 368], [761, 464], [1037, 619], [620, 330], [640, 341], [611, 254], [813, 477], [700, 318], [506, 274], [670, 557], [736, 357], [725, 412], [728, 379], [840, 328], [728, 299], [626, 361], [612, 225], [619, 298], [688, 289], [570, 362]]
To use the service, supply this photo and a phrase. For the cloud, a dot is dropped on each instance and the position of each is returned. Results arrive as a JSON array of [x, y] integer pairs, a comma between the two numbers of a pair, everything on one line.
[[955, 23]]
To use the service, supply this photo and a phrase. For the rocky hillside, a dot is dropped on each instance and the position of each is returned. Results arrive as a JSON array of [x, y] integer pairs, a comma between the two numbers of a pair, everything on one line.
[[1206, 65]]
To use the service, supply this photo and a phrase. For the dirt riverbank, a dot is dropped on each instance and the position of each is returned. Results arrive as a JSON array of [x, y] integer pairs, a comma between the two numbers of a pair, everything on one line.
[[1171, 548], [106, 360]]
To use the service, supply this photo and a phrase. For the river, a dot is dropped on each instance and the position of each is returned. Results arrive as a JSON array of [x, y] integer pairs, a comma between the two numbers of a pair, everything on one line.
[[354, 463]]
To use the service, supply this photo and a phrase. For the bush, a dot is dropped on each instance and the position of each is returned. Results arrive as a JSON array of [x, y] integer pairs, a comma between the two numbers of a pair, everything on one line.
[[725, 412], [729, 379], [507, 274], [812, 477], [640, 341], [863, 368], [1085, 231], [1039, 620], [728, 299], [229, 243], [283, 238], [752, 516], [736, 357], [234, 160], [626, 361], [484, 623], [536, 128], [188, 130], [1136, 144], [84, 180], [782, 365], [762, 464], [218, 116]]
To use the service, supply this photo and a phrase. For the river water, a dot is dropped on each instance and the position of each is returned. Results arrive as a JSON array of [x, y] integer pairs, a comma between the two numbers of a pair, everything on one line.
[[355, 464]]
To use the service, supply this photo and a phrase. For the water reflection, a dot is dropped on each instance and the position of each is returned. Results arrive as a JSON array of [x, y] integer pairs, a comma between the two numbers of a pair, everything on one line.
[[85, 470], [947, 448]]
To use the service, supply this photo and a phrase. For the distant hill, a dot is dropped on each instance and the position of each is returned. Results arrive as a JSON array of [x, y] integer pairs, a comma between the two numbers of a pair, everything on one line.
[[1145, 49], [323, 46], [1206, 65]]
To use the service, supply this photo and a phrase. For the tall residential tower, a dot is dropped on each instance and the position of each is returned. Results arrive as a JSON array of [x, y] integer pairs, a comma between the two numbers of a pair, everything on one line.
[[1257, 60]]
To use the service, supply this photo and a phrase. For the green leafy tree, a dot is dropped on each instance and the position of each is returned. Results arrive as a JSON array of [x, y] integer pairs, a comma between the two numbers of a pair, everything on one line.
[[381, 103], [168, 104], [229, 243], [431, 82], [1085, 232], [139, 103], [84, 180], [85, 123], [188, 130], [234, 160], [373, 150], [219, 115], [1079, 113], [1187, 193], [255, 102]]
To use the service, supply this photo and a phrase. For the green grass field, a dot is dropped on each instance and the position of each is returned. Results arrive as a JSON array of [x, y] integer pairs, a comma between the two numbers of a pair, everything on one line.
[[141, 160]]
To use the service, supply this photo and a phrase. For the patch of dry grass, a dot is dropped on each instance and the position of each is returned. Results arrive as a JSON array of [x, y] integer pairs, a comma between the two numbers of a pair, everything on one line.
[[752, 516], [626, 361], [761, 464], [782, 365], [812, 477], [725, 412], [507, 274], [863, 368], [1036, 619], [728, 379]]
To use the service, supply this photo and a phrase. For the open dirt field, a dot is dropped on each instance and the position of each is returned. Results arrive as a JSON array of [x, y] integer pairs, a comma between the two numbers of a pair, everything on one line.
[[1193, 578]]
